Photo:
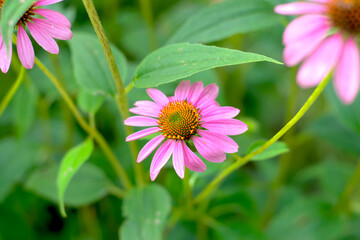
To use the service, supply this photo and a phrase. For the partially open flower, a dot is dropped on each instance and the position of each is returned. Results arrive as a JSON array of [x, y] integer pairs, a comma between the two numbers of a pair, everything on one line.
[[324, 38], [44, 25], [192, 115]]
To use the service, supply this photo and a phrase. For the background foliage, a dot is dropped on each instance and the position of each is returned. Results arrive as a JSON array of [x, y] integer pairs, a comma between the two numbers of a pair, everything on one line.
[[301, 188]]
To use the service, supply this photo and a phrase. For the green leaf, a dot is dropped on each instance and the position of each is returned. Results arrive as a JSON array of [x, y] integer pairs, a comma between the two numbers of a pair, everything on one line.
[[70, 164], [25, 108], [87, 186], [11, 12], [90, 103], [146, 209], [182, 60], [274, 150], [90, 66], [225, 19], [15, 159]]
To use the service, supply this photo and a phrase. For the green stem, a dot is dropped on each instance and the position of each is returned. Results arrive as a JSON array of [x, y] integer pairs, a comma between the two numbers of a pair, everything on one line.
[[146, 11], [349, 189], [10, 94], [91, 131], [120, 97], [241, 161]]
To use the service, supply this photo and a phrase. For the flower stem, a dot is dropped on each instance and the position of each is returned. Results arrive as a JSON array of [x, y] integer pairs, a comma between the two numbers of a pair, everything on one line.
[[146, 11], [349, 189], [91, 131], [5, 102], [241, 161], [120, 97]]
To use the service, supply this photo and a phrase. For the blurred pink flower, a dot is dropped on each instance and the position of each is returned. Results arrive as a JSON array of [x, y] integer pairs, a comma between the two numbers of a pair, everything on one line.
[[44, 25], [191, 115], [324, 38]]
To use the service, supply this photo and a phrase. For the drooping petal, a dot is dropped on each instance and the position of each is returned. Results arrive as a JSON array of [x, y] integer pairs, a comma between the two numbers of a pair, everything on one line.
[[53, 16], [321, 62], [208, 150], [193, 162], [25, 48], [178, 159], [142, 133], [298, 8], [55, 30], [305, 26], [46, 2], [149, 147], [296, 51], [145, 111], [221, 141], [138, 121], [43, 38], [182, 90], [226, 126], [219, 113], [5, 55], [161, 157], [158, 96], [194, 92], [347, 74]]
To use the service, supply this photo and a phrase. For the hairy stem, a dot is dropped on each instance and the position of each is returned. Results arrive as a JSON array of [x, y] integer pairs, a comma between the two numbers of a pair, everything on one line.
[[10, 94], [241, 161], [120, 97], [91, 131]]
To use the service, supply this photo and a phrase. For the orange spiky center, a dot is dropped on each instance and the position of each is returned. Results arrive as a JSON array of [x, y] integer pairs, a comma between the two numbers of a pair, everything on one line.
[[28, 15], [179, 120], [1, 3], [345, 14]]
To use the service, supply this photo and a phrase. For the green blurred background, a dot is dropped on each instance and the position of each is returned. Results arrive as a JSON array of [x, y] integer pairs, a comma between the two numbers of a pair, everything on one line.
[[301, 194]]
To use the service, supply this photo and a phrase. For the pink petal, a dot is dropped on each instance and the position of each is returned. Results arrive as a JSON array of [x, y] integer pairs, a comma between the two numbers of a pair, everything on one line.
[[208, 150], [138, 121], [296, 51], [219, 113], [347, 75], [149, 147], [222, 142], [5, 56], [145, 111], [55, 30], [148, 104], [182, 90], [304, 26], [194, 92], [142, 133], [43, 38], [210, 92], [161, 157], [25, 49], [192, 161], [321, 62], [158, 96], [46, 2], [53, 16], [226, 126], [298, 8], [178, 159]]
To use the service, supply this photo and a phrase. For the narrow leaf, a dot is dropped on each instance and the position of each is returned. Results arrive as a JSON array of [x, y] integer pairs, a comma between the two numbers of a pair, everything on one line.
[[274, 150], [70, 164], [182, 60]]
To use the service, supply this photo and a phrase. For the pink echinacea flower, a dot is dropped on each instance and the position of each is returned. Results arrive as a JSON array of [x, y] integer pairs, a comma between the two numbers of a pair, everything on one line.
[[44, 25], [324, 38], [192, 115]]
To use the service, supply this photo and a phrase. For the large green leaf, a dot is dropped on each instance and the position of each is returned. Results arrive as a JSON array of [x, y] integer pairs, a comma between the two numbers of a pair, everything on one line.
[[146, 209], [70, 164], [88, 102], [11, 12], [226, 19], [182, 60], [274, 150], [90, 66], [88, 185]]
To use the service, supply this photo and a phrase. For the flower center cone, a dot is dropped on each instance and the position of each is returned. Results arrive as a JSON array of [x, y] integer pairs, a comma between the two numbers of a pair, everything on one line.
[[345, 14]]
